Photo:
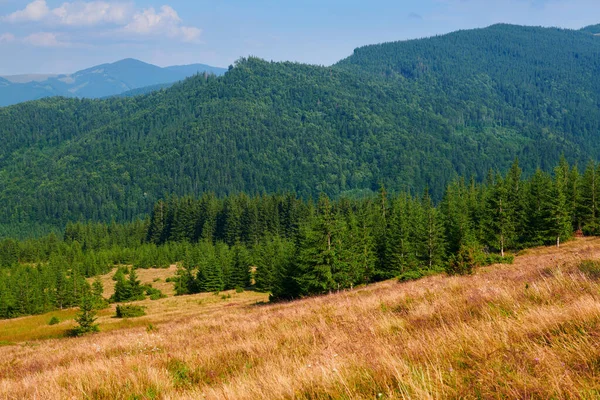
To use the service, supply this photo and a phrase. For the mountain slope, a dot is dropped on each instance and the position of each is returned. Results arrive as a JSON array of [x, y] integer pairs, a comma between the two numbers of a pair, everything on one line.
[[101, 81], [528, 330], [408, 114]]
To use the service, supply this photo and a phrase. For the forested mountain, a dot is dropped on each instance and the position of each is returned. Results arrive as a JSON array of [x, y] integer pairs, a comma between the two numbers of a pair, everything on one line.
[[410, 115], [100, 81]]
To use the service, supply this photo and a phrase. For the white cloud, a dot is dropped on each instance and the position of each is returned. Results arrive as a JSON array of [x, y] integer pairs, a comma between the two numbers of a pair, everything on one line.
[[45, 39], [77, 13], [7, 38], [166, 22], [92, 13], [142, 23], [34, 11]]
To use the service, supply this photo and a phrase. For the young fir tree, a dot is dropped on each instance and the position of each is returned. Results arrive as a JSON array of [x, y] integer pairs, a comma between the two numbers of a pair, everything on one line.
[[457, 210], [559, 218], [318, 258], [272, 258], [380, 214], [86, 317], [135, 286], [97, 292], [430, 243], [210, 276], [400, 248], [537, 200], [499, 217], [589, 205], [359, 244], [240, 268]]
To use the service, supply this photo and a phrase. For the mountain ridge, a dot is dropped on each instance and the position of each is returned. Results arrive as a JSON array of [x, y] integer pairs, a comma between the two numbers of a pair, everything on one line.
[[100, 81], [401, 115]]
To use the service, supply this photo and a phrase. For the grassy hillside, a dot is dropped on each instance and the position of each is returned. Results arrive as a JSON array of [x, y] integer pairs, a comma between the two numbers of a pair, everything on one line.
[[408, 114], [528, 330]]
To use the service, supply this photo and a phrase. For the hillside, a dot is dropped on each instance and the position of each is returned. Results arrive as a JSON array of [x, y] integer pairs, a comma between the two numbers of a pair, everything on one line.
[[528, 330], [411, 115], [98, 81]]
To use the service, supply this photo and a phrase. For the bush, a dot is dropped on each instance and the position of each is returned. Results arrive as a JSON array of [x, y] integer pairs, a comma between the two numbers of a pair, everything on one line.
[[154, 294], [410, 276], [590, 268], [53, 321], [463, 262], [239, 289], [498, 259], [130, 311]]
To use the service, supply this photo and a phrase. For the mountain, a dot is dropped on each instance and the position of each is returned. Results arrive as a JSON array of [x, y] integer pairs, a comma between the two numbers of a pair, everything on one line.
[[99, 81], [410, 115]]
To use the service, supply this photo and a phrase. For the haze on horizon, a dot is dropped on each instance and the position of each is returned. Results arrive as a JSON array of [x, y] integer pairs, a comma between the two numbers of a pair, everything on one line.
[[58, 36]]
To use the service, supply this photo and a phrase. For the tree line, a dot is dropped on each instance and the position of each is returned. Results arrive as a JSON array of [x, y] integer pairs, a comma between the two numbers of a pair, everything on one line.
[[292, 247]]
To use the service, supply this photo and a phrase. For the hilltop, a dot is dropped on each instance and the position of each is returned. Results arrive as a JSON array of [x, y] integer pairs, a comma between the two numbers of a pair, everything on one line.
[[527, 330], [410, 115]]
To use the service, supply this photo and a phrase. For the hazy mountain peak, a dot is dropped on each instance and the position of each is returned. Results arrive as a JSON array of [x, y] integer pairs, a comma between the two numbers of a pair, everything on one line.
[[99, 81]]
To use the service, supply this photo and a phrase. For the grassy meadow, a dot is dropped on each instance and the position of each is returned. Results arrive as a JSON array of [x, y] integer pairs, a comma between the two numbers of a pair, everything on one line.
[[530, 330]]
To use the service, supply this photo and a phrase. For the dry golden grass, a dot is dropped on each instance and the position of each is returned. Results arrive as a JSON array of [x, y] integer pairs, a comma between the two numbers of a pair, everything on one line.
[[529, 331]]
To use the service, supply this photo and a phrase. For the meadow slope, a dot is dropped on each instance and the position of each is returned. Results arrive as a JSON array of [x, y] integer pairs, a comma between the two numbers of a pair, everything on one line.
[[528, 330]]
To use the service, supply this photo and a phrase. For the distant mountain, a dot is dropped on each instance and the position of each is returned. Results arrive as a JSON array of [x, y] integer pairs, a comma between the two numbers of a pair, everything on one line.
[[99, 81]]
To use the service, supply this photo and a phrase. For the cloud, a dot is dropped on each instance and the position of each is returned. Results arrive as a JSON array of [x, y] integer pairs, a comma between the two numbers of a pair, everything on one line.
[[92, 13], [34, 11], [166, 22], [7, 38], [45, 39], [141, 23], [414, 15]]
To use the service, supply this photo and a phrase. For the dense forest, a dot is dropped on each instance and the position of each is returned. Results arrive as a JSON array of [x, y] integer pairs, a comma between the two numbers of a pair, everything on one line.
[[410, 115], [293, 247]]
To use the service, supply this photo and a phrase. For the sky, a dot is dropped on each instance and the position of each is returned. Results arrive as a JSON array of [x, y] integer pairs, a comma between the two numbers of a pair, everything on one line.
[[48, 36]]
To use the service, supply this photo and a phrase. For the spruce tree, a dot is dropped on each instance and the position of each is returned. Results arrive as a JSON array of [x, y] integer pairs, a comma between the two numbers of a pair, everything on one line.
[[86, 317], [430, 242], [559, 219], [400, 248], [589, 205]]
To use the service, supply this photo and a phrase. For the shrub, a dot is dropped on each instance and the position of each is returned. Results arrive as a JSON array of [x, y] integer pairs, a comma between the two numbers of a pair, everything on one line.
[[463, 262], [239, 289], [53, 321], [410, 276], [130, 311], [590, 268], [154, 294]]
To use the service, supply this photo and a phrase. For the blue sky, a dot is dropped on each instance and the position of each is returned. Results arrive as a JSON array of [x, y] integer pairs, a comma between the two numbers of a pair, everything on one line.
[[48, 36]]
